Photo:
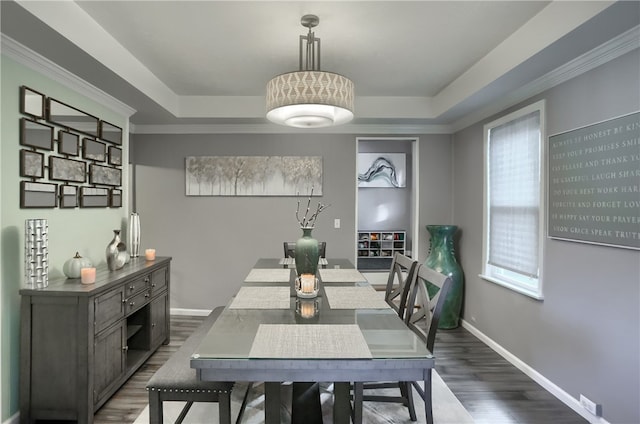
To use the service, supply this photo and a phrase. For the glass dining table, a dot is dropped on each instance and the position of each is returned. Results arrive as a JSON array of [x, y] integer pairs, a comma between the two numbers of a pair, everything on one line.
[[346, 334]]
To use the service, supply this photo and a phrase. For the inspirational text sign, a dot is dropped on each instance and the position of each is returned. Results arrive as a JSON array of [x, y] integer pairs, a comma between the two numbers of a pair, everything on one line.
[[594, 183]]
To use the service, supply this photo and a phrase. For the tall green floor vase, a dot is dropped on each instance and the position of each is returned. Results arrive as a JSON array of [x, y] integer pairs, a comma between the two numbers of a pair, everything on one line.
[[442, 258], [307, 253]]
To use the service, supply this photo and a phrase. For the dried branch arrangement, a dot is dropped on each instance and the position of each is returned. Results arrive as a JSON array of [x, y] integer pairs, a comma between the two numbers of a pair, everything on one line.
[[309, 222]]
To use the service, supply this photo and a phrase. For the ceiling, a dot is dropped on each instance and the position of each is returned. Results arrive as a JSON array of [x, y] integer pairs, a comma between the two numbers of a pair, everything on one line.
[[414, 63]]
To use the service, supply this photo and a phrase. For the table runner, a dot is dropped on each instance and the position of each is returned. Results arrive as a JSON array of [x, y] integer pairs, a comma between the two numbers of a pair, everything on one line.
[[262, 298], [310, 341], [266, 275], [333, 275], [362, 297]]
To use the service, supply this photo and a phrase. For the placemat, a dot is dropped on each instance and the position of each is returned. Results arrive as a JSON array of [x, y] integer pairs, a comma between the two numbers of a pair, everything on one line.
[[333, 275], [292, 261], [363, 297], [268, 275], [261, 298], [309, 341]]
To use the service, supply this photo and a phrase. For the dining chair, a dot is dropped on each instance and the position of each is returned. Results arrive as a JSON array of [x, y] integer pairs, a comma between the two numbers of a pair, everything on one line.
[[400, 275], [290, 249], [396, 294], [427, 291]]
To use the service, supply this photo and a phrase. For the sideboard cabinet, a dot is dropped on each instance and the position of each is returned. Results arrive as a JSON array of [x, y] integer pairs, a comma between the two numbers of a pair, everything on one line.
[[80, 343]]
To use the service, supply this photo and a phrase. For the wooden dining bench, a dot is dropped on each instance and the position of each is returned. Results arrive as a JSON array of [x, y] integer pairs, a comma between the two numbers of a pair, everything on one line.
[[177, 381]]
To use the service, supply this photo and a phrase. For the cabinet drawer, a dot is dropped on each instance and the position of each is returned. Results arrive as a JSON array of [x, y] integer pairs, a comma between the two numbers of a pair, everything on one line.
[[137, 301], [136, 286], [108, 308], [159, 279]]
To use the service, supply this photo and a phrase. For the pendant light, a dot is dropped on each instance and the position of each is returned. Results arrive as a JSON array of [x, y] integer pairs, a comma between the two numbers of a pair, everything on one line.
[[309, 97]]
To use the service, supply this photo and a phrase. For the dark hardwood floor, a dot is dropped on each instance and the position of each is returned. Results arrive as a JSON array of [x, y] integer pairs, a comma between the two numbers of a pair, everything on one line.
[[489, 387]]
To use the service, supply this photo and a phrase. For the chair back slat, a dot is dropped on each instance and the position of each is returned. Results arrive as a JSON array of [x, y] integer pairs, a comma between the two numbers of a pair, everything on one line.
[[424, 309], [397, 289]]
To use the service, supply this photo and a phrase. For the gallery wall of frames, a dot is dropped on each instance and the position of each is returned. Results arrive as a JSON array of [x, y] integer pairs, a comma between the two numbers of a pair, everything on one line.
[[68, 158]]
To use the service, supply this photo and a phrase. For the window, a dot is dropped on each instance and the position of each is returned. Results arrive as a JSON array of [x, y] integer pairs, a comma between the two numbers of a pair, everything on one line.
[[513, 199]]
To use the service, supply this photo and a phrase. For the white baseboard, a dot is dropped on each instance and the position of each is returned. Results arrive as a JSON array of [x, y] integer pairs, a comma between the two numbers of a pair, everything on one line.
[[192, 312], [14, 419], [547, 384]]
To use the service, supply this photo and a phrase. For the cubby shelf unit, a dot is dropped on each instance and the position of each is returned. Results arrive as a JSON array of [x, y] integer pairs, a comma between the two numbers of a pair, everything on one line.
[[379, 247]]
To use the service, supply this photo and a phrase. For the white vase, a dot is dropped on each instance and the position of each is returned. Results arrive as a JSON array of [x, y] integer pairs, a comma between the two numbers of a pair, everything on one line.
[[134, 235]]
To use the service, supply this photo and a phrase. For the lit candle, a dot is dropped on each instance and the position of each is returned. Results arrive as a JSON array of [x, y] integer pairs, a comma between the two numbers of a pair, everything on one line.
[[150, 254], [307, 309], [88, 275], [307, 283]]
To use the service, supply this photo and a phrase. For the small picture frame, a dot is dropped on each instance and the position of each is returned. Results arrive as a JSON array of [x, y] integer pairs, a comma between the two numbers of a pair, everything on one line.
[[71, 118], [68, 143], [116, 198], [68, 196], [31, 164], [63, 169], [37, 135], [31, 102], [38, 195], [94, 197], [115, 156], [105, 175], [111, 133], [94, 150]]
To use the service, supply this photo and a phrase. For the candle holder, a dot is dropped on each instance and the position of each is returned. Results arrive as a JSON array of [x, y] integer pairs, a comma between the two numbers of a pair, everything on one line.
[[306, 286], [88, 275], [307, 309], [150, 254]]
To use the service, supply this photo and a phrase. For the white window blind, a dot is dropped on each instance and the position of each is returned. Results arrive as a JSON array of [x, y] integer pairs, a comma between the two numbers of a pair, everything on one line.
[[514, 195]]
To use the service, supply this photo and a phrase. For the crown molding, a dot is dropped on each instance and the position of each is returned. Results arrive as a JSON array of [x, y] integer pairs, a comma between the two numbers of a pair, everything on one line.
[[41, 64], [606, 52], [277, 129]]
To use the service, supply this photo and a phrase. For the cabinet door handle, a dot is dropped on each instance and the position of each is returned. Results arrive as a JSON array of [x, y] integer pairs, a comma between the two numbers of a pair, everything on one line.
[[153, 324], [132, 303], [125, 348], [132, 288], [153, 285], [124, 300], [146, 295], [146, 280]]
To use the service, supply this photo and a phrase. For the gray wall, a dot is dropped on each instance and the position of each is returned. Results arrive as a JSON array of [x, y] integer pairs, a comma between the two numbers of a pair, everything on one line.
[[585, 335], [215, 241]]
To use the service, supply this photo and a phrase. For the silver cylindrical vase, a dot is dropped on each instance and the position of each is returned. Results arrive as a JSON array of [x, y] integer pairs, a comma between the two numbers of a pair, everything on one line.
[[36, 253], [134, 235]]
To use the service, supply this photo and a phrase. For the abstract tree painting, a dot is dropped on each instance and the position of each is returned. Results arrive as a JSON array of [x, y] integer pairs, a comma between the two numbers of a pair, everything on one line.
[[253, 175]]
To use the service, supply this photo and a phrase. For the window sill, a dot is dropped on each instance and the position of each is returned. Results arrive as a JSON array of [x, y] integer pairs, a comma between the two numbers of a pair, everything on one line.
[[518, 289]]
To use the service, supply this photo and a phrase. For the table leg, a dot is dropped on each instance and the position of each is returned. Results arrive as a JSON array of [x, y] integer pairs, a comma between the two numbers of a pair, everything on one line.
[[272, 402], [427, 396], [341, 403], [306, 407]]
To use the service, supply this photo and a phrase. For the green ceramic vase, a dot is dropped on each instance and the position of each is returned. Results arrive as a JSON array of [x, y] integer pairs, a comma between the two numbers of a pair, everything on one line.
[[307, 254], [442, 258]]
